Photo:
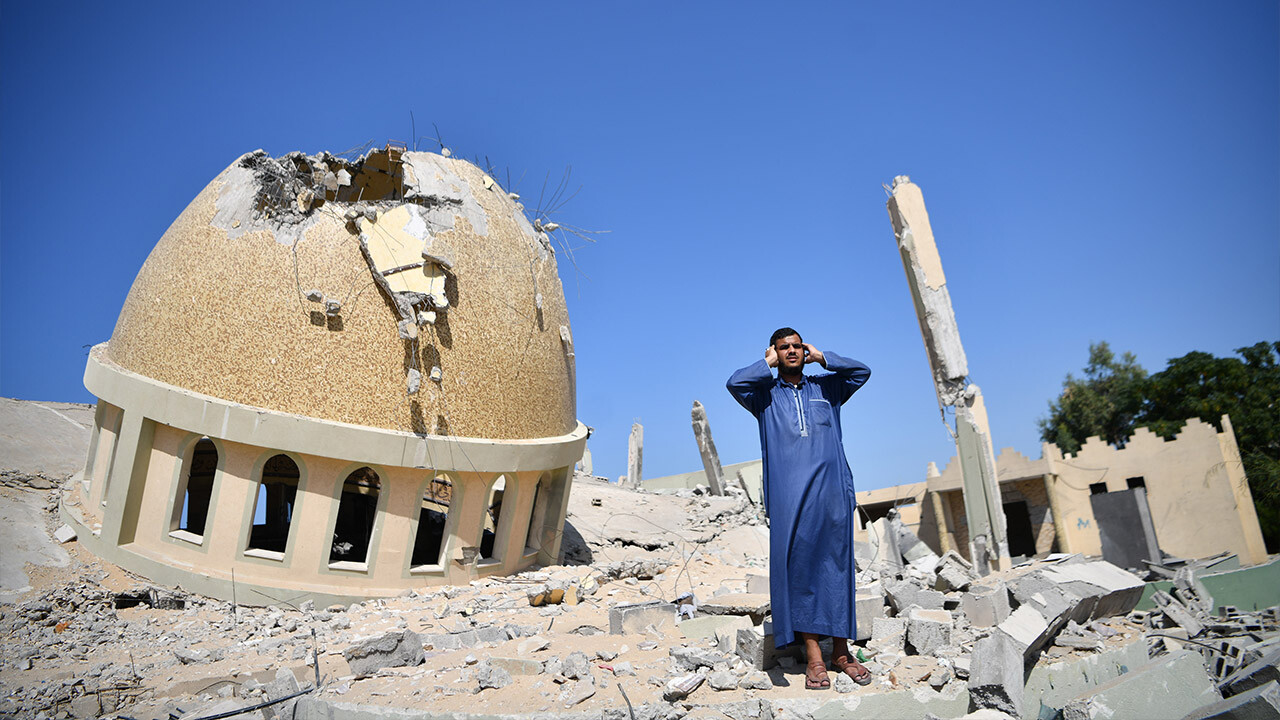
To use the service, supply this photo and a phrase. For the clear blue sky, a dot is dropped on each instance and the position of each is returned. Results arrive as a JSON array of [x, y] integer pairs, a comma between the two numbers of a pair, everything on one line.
[[1094, 171]]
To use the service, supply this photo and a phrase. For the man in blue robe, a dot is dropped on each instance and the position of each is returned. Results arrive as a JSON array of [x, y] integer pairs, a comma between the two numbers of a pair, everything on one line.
[[808, 496]]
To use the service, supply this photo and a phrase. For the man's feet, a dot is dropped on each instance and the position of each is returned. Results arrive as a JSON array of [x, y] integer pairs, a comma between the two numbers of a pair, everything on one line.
[[851, 667], [815, 676]]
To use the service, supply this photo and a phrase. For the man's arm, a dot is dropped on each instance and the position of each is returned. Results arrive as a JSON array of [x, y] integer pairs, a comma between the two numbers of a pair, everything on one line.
[[750, 386], [845, 378]]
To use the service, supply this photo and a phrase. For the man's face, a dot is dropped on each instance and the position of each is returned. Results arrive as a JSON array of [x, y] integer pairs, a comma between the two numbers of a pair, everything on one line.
[[790, 353]]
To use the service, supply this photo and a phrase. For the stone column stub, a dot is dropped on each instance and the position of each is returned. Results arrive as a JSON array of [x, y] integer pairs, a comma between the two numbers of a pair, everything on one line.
[[635, 455], [707, 448]]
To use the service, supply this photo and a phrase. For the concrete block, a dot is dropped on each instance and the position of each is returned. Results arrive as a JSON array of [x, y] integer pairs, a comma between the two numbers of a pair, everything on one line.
[[985, 605], [1175, 681], [1177, 612], [64, 534], [867, 607], [1260, 703], [394, 649], [888, 634], [1027, 629], [755, 646], [1254, 674], [905, 593], [634, 618], [928, 630], [995, 675], [954, 572], [1116, 591]]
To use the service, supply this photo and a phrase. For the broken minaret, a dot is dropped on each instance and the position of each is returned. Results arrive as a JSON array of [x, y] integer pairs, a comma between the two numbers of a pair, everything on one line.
[[983, 509], [707, 447], [635, 454]]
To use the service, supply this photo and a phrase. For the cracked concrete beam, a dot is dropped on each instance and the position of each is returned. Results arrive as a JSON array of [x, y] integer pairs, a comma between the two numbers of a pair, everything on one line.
[[923, 265]]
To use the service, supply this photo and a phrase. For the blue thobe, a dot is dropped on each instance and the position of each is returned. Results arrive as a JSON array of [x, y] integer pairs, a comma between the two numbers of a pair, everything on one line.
[[808, 494]]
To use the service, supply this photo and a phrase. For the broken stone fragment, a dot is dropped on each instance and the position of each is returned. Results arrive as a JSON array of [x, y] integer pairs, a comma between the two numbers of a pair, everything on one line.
[[407, 329], [576, 666], [344, 178], [331, 181], [681, 687], [928, 630], [315, 296], [414, 380], [426, 317], [332, 307], [995, 675], [394, 649], [64, 534], [436, 374], [490, 677]]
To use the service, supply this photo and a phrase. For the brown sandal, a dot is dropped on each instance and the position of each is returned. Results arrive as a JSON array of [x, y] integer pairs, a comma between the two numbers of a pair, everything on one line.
[[844, 665], [813, 682]]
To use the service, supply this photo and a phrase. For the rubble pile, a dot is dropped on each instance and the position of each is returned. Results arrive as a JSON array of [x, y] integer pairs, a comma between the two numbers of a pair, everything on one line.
[[679, 630]]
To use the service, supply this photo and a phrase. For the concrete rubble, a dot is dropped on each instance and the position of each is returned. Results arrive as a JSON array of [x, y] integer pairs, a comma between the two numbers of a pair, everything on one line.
[[604, 635]]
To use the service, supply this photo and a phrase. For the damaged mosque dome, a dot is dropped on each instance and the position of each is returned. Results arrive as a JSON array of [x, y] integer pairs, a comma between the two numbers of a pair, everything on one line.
[[336, 378]]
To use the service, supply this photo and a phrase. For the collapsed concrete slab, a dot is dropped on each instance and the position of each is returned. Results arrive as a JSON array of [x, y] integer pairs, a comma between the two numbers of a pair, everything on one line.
[[1263, 670], [1027, 629], [1260, 703], [1115, 591], [1177, 680]]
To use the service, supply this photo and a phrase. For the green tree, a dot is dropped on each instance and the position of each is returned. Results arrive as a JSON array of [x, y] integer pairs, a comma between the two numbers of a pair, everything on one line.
[[1248, 390], [1105, 402]]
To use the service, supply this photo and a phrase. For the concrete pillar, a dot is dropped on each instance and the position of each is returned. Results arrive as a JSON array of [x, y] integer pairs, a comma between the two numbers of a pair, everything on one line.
[[928, 284], [635, 455], [941, 512], [707, 447], [128, 478]]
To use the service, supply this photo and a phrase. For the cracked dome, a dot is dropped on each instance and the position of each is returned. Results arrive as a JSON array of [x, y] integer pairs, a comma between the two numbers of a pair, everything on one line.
[[404, 291]]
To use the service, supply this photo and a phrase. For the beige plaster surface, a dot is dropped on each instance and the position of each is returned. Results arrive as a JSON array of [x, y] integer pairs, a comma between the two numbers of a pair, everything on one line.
[[227, 317], [1196, 503]]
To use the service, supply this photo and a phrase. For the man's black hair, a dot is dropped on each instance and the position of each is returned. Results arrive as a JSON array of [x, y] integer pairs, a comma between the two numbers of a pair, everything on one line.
[[781, 333]]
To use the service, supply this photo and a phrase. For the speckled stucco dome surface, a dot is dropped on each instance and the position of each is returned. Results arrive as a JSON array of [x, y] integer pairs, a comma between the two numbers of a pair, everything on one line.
[[272, 290]]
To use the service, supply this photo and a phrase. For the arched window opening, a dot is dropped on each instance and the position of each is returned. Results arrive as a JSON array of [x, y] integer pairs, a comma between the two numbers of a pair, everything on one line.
[[195, 489], [273, 508], [357, 509], [492, 515], [429, 539]]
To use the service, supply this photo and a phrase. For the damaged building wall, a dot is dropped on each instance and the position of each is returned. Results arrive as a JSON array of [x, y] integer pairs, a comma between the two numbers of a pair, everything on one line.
[[1195, 486], [260, 294]]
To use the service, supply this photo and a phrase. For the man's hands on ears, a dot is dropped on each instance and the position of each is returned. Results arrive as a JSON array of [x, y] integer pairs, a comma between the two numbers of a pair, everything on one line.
[[813, 354], [771, 357]]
